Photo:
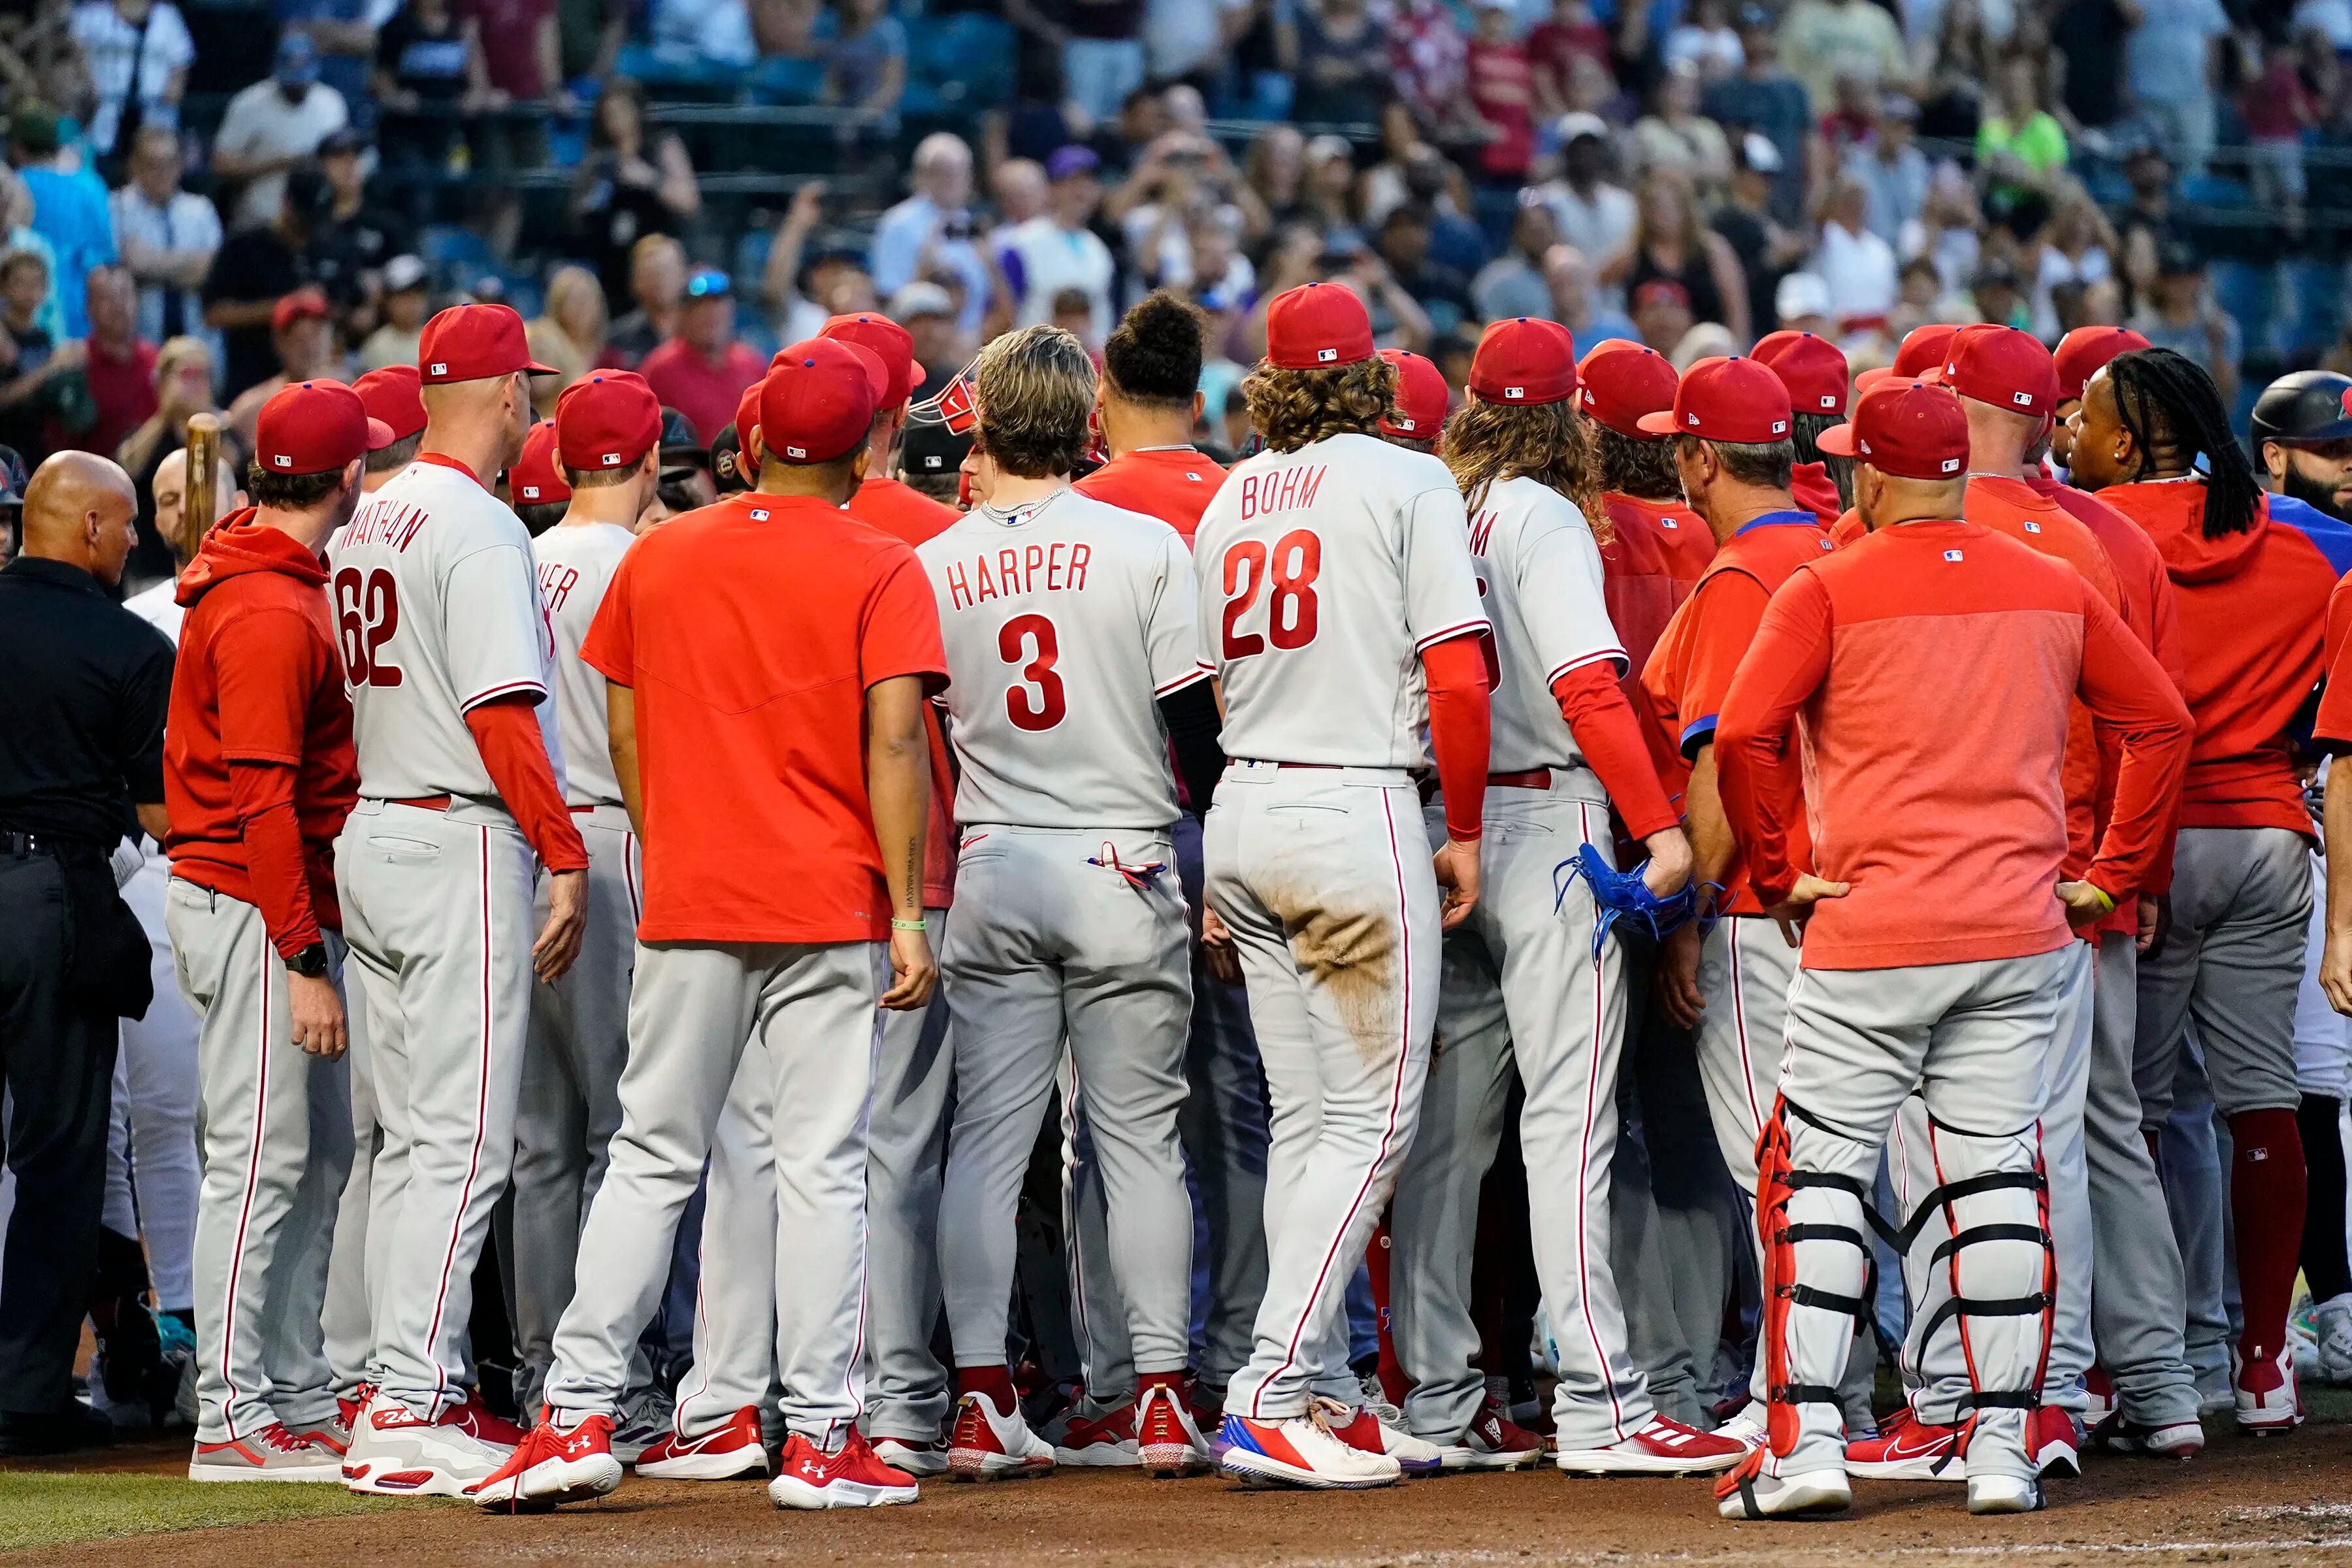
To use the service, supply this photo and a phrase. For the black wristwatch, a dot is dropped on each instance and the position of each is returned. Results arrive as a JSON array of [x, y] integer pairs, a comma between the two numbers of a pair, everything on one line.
[[310, 963]]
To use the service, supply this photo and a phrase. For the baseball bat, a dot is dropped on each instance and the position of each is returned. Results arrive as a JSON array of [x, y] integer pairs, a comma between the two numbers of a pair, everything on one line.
[[201, 507]]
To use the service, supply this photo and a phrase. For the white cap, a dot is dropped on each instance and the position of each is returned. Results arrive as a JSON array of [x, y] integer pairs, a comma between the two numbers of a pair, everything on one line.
[[920, 298], [1581, 123], [1757, 152], [402, 272], [1802, 294]]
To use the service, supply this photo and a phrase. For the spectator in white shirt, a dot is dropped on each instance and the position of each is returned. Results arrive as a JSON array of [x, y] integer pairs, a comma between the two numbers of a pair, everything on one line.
[[138, 52], [167, 236], [1857, 264], [932, 229], [275, 124], [1057, 252], [1590, 213]]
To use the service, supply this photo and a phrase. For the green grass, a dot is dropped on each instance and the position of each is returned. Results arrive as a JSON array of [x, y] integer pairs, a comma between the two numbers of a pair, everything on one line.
[[41, 1509]]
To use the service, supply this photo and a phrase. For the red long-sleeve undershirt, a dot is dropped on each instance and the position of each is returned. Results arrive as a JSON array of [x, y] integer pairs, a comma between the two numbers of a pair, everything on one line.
[[1461, 728], [276, 865], [1593, 703], [506, 731]]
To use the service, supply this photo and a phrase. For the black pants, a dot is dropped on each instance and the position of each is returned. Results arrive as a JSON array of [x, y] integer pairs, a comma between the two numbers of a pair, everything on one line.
[[56, 1061]]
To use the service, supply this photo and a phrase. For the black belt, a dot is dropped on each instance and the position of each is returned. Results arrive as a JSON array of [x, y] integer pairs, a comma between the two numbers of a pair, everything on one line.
[[20, 845]]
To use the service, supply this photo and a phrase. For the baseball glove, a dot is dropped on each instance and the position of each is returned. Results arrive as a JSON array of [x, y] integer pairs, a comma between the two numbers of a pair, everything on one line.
[[1620, 895]]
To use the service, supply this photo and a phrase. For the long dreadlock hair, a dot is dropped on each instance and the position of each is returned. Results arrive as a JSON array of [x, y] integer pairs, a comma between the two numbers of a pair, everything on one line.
[[2169, 403], [1541, 441], [1807, 432]]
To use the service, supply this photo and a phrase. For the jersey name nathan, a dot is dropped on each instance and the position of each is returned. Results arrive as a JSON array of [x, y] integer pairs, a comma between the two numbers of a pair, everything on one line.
[[1323, 573], [437, 610], [1064, 621], [1539, 570], [575, 566]]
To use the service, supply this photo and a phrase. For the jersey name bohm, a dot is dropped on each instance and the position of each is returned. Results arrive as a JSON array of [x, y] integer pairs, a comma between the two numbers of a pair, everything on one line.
[[1281, 489], [1052, 568], [396, 525]]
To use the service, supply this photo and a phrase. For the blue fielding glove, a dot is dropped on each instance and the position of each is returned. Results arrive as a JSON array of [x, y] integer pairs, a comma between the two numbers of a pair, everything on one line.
[[1620, 894]]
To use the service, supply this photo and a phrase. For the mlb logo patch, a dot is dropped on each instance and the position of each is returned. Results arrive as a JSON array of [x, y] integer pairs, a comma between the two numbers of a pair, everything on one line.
[[1515, 392], [1830, 403], [1951, 555], [2022, 399], [1780, 427], [1402, 422], [758, 514], [531, 492], [797, 452], [1324, 356], [1194, 477], [437, 370], [2032, 527], [611, 459], [1952, 466], [282, 460]]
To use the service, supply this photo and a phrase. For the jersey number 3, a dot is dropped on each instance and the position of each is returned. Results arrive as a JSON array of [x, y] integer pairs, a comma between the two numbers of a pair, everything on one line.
[[367, 612], [1285, 578], [1035, 701]]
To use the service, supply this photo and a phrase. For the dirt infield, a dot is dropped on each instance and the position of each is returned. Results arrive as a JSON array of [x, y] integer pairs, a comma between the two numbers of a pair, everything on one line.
[[2280, 1503]]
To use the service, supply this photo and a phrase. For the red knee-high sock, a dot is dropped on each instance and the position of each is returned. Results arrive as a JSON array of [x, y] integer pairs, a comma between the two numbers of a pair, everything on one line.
[[2266, 1195], [996, 1382]]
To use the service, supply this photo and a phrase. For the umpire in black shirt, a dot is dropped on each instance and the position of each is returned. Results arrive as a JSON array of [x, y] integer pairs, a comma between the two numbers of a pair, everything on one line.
[[83, 688]]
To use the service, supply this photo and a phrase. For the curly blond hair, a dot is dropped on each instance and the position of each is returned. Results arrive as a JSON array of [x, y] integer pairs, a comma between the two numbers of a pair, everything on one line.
[[1035, 389], [1292, 408], [1544, 442]]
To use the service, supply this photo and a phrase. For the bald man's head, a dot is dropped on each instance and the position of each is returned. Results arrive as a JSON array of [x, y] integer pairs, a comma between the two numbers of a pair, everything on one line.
[[170, 490], [79, 509]]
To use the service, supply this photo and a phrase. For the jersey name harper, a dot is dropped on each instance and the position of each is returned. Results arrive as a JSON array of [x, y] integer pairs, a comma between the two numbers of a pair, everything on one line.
[[1014, 570]]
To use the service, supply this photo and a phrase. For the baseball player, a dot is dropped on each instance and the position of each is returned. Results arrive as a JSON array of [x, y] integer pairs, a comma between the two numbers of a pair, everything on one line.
[[1073, 661], [607, 426], [1342, 609], [536, 486], [258, 777], [1417, 424], [907, 1134], [778, 787], [1936, 921], [1730, 423], [2078, 356], [1814, 372], [393, 396], [2252, 575], [450, 661], [1522, 982]]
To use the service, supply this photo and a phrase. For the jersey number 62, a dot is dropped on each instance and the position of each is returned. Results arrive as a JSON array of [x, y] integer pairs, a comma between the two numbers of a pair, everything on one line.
[[1288, 570], [367, 612]]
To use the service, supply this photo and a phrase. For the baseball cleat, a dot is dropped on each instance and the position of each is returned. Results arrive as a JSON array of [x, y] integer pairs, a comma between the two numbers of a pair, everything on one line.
[[478, 1420], [1104, 1442], [729, 1449], [1168, 1441], [553, 1466], [1746, 1427], [275, 1455], [1299, 1451], [851, 1478], [2099, 1398], [1364, 1428], [2267, 1403], [333, 1434], [1908, 1449], [2331, 1326], [914, 1457], [2173, 1440], [2004, 1494], [988, 1446], [2053, 1443], [645, 1420], [1491, 1442], [1748, 1493], [395, 1452], [1663, 1447]]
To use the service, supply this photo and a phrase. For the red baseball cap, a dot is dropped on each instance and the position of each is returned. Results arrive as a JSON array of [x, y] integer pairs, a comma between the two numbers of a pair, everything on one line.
[[890, 343], [1318, 326], [1813, 368], [1620, 380], [1999, 365], [2085, 351], [608, 420], [1523, 359], [1921, 350], [312, 426], [474, 342], [303, 304], [818, 401], [747, 419], [1727, 399], [1421, 397], [391, 394], [1912, 429], [535, 479]]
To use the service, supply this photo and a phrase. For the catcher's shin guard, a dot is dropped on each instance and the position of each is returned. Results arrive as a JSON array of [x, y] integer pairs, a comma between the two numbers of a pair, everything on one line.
[[2003, 1278]]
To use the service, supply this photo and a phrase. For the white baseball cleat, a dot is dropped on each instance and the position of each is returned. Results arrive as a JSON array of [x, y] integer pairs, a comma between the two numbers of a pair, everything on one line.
[[553, 1466], [1747, 1428], [1364, 1428], [395, 1452], [849, 1478], [733, 1447], [2331, 1326], [2267, 1403], [917, 1458], [2004, 1494], [1168, 1441], [1663, 1447], [988, 1446], [1759, 1496], [1298, 1451]]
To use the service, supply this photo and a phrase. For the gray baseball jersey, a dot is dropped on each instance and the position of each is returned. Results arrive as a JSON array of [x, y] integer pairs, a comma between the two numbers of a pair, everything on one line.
[[1540, 573], [1323, 574], [437, 609], [574, 565], [1064, 621]]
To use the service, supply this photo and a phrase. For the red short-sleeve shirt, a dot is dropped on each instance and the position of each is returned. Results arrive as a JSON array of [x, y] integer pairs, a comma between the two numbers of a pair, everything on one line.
[[749, 632]]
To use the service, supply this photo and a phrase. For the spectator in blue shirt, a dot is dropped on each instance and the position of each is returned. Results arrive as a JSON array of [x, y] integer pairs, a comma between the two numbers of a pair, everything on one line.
[[69, 211]]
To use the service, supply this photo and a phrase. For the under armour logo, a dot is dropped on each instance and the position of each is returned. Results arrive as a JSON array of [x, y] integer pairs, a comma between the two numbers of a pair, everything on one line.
[[811, 1468], [1324, 356]]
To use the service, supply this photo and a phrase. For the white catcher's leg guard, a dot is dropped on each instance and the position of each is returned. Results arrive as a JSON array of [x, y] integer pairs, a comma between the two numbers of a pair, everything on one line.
[[2001, 1270]]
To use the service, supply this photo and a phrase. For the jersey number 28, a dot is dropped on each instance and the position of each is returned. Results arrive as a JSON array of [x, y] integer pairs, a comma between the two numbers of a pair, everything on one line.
[[1289, 572], [367, 612], [1036, 700]]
